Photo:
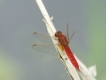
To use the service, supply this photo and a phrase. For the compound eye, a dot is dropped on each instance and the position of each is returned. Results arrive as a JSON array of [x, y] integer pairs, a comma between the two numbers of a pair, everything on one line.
[[56, 34]]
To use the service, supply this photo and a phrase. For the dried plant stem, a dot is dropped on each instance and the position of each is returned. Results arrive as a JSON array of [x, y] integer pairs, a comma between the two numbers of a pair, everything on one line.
[[84, 72]]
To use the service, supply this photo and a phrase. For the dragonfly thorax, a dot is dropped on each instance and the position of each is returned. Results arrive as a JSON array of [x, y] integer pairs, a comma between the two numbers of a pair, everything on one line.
[[61, 38]]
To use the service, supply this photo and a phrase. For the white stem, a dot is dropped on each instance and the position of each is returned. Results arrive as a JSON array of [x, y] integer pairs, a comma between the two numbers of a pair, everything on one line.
[[69, 67], [51, 30], [46, 16]]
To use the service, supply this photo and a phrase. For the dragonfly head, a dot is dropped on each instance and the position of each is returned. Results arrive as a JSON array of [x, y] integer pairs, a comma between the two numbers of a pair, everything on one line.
[[58, 33]]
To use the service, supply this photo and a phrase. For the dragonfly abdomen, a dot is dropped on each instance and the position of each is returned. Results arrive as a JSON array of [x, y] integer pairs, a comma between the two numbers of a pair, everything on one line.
[[71, 57]]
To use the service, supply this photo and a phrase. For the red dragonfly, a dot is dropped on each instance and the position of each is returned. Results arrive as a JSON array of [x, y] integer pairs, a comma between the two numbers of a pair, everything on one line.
[[63, 44]]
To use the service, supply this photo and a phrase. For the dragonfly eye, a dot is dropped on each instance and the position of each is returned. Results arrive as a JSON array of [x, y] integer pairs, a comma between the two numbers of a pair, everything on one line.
[[58, 33]]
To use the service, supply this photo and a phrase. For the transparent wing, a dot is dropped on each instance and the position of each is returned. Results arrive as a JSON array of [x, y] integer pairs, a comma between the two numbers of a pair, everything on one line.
[[43, 38], [46, 45], [45, 48], [72, 36], [67, 34]]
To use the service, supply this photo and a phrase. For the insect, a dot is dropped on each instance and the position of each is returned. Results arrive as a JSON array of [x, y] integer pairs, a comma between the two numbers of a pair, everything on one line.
[[63, 42]]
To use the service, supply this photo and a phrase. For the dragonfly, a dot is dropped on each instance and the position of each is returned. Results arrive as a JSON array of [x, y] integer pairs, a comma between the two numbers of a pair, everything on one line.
[[63, 43]]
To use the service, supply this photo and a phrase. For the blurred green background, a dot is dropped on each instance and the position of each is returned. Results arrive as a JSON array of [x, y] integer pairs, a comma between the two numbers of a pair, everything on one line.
[[20, 18], [97, 38]]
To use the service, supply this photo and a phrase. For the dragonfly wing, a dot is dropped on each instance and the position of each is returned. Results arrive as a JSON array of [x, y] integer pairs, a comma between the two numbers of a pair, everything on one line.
[[43, 38], [72, 36], [67, 33], [45, 48]]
